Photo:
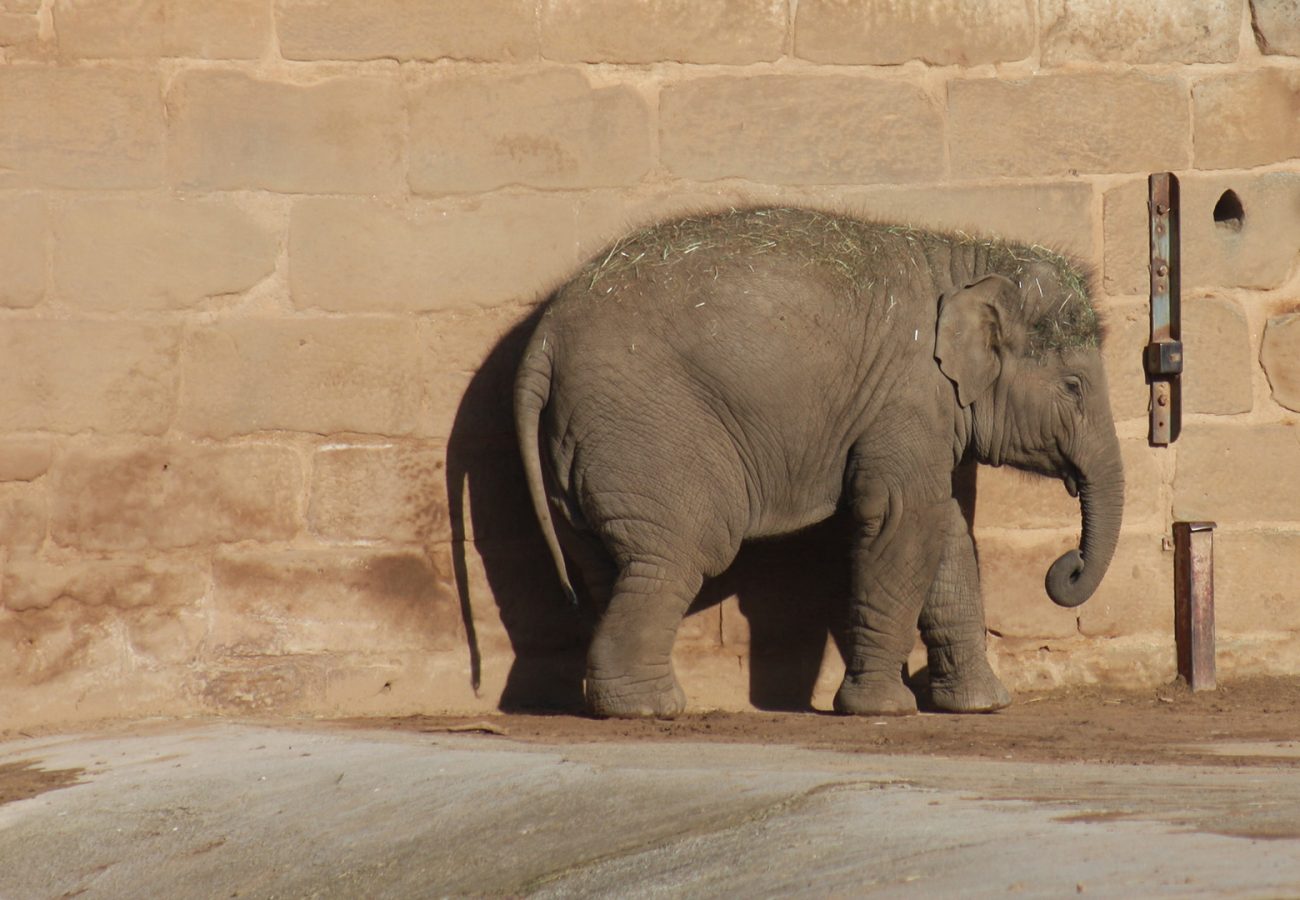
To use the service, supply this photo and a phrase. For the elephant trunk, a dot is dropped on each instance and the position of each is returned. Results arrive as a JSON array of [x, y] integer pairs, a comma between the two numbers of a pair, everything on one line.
[[1073, 578]]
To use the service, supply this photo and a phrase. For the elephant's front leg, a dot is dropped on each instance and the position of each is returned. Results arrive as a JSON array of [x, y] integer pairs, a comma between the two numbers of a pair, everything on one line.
[[899, 544], [952, 626]]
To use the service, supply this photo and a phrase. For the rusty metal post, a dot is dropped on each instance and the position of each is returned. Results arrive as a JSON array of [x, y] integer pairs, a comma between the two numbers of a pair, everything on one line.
[[1194, 603], [1163, 358]]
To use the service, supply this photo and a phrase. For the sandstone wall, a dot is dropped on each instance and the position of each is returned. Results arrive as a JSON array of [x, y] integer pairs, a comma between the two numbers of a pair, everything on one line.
[[261, 263]]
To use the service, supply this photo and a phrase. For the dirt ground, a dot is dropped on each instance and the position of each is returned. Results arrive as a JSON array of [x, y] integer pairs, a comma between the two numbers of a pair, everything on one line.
[[1084, 724]]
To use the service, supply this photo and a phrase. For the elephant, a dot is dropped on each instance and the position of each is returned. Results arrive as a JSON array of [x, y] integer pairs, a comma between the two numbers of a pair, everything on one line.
[[750, 372]]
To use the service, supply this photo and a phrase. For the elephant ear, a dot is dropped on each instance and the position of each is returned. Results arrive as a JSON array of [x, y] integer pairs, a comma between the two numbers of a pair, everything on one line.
[[969, 336]]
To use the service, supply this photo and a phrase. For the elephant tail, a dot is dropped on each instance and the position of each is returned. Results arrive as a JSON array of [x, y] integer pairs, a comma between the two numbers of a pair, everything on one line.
[[532, 392]]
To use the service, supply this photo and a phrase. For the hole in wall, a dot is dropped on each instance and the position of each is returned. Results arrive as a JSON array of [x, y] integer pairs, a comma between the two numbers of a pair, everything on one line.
[[1228, 212]]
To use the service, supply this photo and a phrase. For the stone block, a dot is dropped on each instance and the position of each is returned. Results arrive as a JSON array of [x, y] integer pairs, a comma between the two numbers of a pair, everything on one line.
[[24, 458], [725, 32], [1133, 662], [23, 516], [1128, 330], [1255, 574], [1008, 498], [1137, 594], [231, 29], [24, 238], [1053, 215], [379, 492], [1217, 355], [157, 253], [1246, 119], [1236, 474], [108, 131], [169, 494], [72, 375], [1052, 125], [79, 620], [1139, 31], [1255, 251], [1012, 569], [551, 128], [17, 28], [274, 603], [1277, 26], [943, 33], [1280, 357], [353, 255], [487, 30], [801, 129], [231, 131], [322, 376]]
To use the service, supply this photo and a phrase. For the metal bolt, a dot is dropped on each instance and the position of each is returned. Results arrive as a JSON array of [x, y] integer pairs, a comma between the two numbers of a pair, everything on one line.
[[1162, 400], [1162, 270]]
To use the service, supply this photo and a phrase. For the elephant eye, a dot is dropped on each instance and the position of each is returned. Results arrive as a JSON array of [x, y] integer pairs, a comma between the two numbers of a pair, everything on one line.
[[1073, 386]]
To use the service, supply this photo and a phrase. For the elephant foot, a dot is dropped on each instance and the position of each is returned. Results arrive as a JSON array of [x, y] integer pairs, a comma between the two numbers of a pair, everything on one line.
[[874, 695], [623, 698], [970, 688]]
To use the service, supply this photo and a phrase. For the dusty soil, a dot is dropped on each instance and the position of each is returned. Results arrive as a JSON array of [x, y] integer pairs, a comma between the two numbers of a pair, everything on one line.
[[1088, 724]]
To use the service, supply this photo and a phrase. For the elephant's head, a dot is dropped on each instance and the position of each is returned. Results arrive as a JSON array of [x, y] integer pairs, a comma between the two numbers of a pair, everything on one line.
[[1026, 364]]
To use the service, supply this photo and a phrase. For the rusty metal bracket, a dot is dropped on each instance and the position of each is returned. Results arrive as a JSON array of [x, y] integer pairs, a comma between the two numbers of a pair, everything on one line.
[[1163, 356], [1194, 603]]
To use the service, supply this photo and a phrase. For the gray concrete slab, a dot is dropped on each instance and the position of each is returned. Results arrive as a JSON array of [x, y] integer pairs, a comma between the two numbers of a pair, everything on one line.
[[223, 809]]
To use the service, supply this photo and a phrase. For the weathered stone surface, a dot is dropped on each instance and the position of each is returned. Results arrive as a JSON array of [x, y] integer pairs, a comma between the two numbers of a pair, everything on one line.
[[342, 135], [84, 624], [361, 255], [1127, 333], [1139, 31], [173, 494], [121, 584], [18, 28], [1255, 576], [1216, 353], [24, 458], [1235, 474], [271, 603], [1280, 357], [1137, 594], [1247, 119], [316, 375], [24, 236], [1016, 604], [1066, 124], [732, 32], [389, 492], [796, 129], [108, 131], [551, 128], [23, 516], [1277, 26], [74, 375], [1053, 215], [1144, 660], [157, 253], [1008, 498], [1256, 253], [231, 29], [949, 32], [407, 29]]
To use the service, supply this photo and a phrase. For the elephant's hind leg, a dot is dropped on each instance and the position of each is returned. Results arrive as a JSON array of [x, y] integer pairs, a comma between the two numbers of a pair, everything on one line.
[[952, 626], [629, 665]]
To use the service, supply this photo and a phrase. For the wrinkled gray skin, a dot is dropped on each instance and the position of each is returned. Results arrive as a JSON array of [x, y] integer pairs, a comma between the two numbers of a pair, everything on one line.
[[734, 376]]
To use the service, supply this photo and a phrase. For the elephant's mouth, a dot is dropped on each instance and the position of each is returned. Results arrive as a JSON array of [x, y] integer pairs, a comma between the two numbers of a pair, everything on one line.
[[1072, 479]]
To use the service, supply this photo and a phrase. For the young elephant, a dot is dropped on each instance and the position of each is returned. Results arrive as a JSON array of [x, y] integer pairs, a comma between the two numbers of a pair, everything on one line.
[[744, 374]]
